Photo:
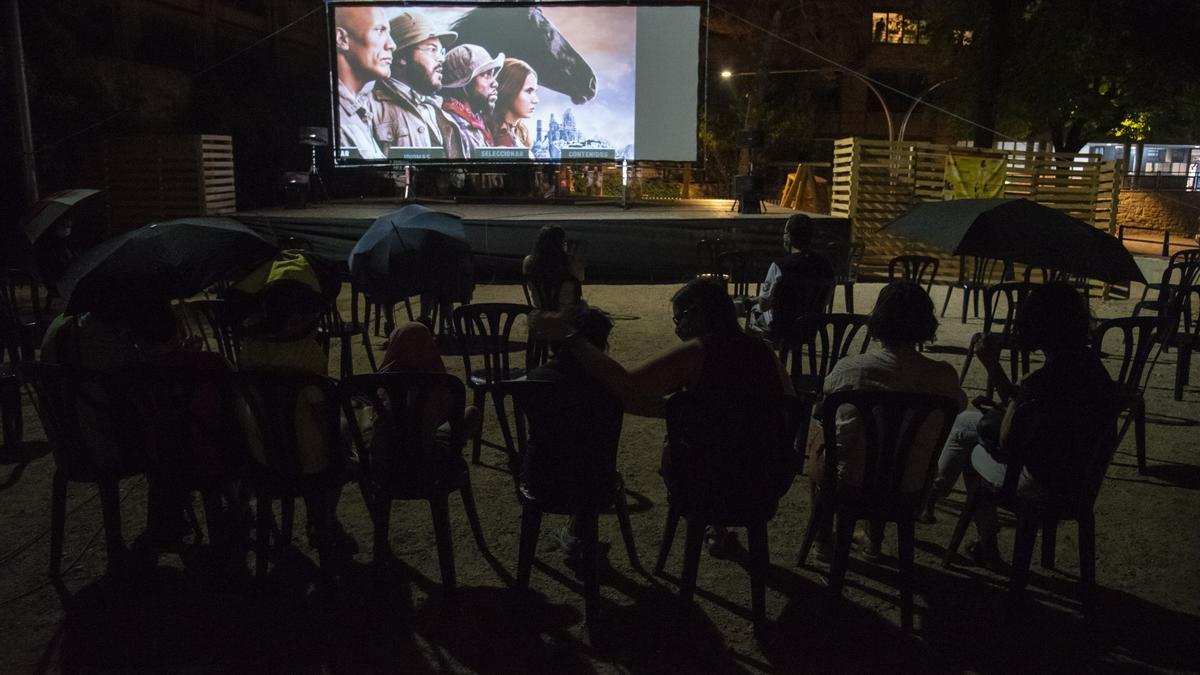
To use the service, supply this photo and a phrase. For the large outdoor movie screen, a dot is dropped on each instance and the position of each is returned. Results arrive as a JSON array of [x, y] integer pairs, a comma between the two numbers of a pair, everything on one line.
[[551, 82]]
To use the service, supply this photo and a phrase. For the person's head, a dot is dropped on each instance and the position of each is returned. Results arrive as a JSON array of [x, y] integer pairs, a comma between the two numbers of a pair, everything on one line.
[[517, 96], [703, 307], [420, 52], [364, 45], [903, 313], [595, 326], [798, 231], [469, 74], [549, 257], [1054, 317]]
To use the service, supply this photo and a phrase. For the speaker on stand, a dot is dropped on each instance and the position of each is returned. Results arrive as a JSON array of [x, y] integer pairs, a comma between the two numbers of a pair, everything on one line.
[[315, 137], [747, 188]]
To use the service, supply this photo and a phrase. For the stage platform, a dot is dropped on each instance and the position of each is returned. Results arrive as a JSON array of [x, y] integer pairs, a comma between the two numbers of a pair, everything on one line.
[[649, 241]]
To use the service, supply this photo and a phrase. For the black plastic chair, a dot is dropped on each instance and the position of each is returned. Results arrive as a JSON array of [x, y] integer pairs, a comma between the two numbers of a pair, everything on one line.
[[972, 280], [410, 457], [810, 298], [734, 480], [854, 256], [1000, 305], [214, 320], [890, 422], [565, 482], [922, 270], [708, 255], [1094, 442], [293, 431], [12, 421], [21, 308], [814, 345], [333, 326], [1137, 339], [486, 333], [94, 422], [1181, 329], [1182, 269]]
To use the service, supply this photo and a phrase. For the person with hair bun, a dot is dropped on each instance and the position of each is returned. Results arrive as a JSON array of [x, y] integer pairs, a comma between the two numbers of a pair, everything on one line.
[[902, 319]]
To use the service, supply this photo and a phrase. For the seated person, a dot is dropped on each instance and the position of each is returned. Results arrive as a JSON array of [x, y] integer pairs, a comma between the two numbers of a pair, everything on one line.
[[902, 319], [1054, 319], [734, 376], [554, 277], [779, 301]]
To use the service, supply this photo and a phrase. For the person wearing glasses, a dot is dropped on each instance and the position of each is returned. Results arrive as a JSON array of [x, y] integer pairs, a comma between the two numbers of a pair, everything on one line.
[[410, 109]]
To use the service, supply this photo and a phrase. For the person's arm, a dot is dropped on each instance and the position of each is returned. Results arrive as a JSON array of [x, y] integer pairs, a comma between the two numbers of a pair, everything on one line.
[[988, 352], [768, 284], [642, 390], [576, 268]]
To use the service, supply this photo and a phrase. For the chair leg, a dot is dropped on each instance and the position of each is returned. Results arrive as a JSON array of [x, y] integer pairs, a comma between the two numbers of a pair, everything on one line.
[[841, 553], [1087, 560], [1022, 555], [1183, 365], [691, 560], [468, 499], [960, 528], [849, 290], [760, 557], [587, 527], [502, 418], [946, 303], [381, 513], [1139, 432], [531, 525], [287, 520], [58, 522], [439, 506], [366, 343], [477, 451], [664, 548], [110, 506], [906, 531], [262, 532], [1049, 542], [622, 510], [817, 518]]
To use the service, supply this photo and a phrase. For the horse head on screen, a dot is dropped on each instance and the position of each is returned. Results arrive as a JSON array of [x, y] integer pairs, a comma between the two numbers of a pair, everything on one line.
[[525, 33]]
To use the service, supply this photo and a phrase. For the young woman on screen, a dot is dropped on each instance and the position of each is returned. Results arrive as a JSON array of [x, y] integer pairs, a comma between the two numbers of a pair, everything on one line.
[[516, 101]]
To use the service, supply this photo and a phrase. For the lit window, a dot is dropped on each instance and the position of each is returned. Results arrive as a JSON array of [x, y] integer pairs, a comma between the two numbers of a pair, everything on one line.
[[894, 28]]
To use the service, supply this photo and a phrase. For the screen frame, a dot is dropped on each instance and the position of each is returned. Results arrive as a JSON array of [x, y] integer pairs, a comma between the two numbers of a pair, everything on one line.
[[335, 121]]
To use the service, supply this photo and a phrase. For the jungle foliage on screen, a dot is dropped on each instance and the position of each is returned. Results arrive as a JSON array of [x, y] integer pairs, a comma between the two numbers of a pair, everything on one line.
[[551, 82]]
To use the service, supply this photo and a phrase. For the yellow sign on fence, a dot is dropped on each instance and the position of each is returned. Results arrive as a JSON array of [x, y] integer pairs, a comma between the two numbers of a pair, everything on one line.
[[974, 176]]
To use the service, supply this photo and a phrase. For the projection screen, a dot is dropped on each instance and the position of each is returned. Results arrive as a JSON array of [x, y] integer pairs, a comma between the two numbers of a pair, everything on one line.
[[436, 82]]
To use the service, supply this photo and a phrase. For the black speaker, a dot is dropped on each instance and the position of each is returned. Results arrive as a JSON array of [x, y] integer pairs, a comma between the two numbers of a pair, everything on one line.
[[748, 189], [749, 138], [295, 189]]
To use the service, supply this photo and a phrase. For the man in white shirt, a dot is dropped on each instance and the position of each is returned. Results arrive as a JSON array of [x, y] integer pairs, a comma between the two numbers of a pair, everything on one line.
[[364, 54]]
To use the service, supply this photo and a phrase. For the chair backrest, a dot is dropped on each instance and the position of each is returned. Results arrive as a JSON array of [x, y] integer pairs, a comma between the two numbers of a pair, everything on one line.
[[793, 298], [1137, 338], [407, 409], [19, 297], [215, 319], [733, 471], [485, 330], [854, 256], [1187, 255], [292, 422], [1179, 273], [735, 266], [1000, 303], [708, 253], [901, 434], [1180, 320], [814, 345], [94, 421], [980, 272], [919, 269]]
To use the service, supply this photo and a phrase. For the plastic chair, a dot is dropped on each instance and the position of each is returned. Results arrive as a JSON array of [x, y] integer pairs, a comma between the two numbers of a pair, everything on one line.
[[922, 270], [563, 480], [735, 480], [409, 457], [1094, 442], [94, 424], [815, 344], [12, 420], [810, 298], [1181, 329], [708, 255], [1182, 269], [1008, 296], [293, 429], [486, 332], [21, 308], [890, 423], [335, 327], [972, 281], [854, 256], [215, 319], [1137, 339]]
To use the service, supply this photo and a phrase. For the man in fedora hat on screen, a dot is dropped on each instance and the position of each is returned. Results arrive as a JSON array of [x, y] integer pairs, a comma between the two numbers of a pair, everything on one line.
[[364, 55], [469, 92], [410, 109]]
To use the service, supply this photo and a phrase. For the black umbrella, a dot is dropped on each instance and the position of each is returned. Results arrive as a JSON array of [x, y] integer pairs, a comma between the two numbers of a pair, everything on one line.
[[49, 209], [175, 259], [1018, 230], [411, 251]]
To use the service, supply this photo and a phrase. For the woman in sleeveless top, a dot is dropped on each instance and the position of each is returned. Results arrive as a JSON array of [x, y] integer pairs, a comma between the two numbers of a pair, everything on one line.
[[554, 278]]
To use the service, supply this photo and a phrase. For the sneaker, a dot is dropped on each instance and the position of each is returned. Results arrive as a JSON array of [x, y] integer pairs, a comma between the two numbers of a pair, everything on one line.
[[721, 542], [870, 550]]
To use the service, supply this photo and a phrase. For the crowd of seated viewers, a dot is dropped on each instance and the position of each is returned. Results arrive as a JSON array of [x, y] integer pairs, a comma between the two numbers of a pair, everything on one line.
[[732, 375]]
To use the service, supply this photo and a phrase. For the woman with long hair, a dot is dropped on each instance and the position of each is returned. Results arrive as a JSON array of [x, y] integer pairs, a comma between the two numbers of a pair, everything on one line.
[[516, 100], [554, 277]]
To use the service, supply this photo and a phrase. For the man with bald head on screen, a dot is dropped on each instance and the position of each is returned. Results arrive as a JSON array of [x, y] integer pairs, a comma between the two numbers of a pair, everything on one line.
[[364, 54]]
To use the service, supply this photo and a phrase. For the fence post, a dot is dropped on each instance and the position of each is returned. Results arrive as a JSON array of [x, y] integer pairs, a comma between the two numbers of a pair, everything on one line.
[[1166, 243]]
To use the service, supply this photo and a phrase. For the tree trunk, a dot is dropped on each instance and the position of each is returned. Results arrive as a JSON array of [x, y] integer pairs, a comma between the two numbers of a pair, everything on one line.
[[758, 91]]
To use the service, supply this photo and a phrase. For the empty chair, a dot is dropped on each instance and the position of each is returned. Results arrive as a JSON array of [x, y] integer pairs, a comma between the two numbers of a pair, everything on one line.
[[94, 424], [333, 326], [919, 269], [292, 421], [1181, 328], [415, 452], [565, 463], [1182, 270], [1084, 437], [1137, 335], [1000, 307], [901, 434], [727, 476], [487, 346], [708, 255], [847, 279], [973, 278]]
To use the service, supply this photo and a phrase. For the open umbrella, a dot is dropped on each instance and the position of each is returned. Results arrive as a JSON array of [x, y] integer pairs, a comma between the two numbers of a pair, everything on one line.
[[174, 259], [50, 208], [411, 251], [1018, 230]]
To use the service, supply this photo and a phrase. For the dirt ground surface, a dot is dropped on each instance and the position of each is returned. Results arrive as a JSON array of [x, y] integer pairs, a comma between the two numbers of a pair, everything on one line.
[[177, 618]]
